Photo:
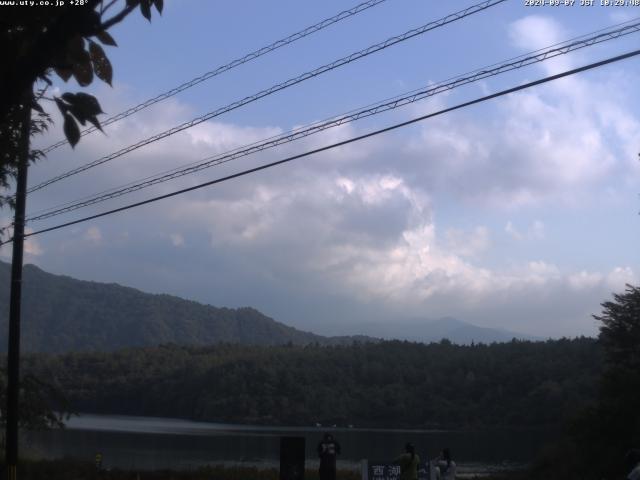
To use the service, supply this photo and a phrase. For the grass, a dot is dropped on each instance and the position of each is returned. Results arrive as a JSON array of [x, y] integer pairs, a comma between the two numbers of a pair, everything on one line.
[[68, 469]]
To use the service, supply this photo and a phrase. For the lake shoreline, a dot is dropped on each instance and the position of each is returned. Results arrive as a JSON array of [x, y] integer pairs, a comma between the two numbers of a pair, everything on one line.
[[75, 422], [72, 423], [62, 469], [153, 443]]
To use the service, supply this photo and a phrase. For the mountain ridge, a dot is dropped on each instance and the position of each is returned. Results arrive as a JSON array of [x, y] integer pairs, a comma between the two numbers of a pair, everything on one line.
[[64, 314]]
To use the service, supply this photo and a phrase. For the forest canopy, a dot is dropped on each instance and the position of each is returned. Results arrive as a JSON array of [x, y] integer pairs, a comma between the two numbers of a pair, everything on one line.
[[386, 384]]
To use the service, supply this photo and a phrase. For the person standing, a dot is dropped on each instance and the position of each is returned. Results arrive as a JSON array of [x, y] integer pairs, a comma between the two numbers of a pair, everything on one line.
[[328, 450], [445, 466], [633, 462], [409, 463]]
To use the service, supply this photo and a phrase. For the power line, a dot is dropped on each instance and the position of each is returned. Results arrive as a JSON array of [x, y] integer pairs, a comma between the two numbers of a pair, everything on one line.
[[224, 68], [341, 143], [375, 109], [281, 86]]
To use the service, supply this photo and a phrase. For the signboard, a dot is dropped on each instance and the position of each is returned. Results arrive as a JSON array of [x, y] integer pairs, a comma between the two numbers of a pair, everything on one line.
[[292, 450], [377, 470]]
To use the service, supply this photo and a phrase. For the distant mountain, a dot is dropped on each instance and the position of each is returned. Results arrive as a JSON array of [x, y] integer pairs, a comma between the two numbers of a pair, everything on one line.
[[452, 329], [62, 314], [461, 332]]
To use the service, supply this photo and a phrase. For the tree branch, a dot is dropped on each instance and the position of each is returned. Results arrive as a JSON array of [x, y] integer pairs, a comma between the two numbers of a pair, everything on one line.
[[109, 5], [117, 18]]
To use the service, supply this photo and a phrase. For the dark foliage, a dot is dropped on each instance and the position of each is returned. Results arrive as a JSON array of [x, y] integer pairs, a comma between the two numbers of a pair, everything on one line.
[[71, 469], [599, 438], [42, 405], [36, 42], [388, 384]]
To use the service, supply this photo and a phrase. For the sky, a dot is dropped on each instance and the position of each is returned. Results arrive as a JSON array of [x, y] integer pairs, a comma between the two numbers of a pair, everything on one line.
[[519, 213]]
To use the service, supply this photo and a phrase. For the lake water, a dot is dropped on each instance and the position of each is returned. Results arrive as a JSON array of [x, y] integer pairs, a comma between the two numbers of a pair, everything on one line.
[[154, 443]]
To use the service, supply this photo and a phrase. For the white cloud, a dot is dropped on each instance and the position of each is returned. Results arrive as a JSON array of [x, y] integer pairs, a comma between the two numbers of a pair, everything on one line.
[[512, 231], [467, 244], [535, 231], [619, 277], [32, 245], [535, 32], [93, 235], [584, 280], [359, 222]]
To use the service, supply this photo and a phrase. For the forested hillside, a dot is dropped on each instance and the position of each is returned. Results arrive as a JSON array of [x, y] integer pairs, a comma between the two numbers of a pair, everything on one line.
[[62, 314], [388, 384]]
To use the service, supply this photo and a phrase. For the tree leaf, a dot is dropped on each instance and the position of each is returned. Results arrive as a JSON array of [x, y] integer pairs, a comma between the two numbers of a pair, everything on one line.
[[106, 39], [101, 64], [64, 73], [63, 107], [88, 103], [75, 50], [95, 122], [132, 3], [80, 61], [84, 107], [79, 114], [145, 8], [36, 106], [45, 78], [69, 97], [71, 130], [83, 72], [159, 5]]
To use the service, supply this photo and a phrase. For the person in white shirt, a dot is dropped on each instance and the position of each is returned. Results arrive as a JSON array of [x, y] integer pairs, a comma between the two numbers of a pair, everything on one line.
[[633, 460], [445, 468]]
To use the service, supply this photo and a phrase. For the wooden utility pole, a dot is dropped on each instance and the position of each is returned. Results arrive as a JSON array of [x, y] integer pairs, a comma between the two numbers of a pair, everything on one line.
[[13, 357]]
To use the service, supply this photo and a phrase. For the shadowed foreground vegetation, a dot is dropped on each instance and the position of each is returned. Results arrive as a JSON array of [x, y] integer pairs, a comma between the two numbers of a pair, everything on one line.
[[74, 470]]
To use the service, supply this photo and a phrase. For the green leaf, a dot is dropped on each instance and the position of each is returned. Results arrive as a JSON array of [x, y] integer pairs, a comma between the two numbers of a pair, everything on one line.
[[101, 65], [132, 3], [159, 5], [145, 8], [106, 39], [71, 130]]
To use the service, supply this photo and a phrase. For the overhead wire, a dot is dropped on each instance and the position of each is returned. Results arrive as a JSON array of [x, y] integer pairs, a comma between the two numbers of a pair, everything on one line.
[[228, 66], [354, 115], [476, 8], [341, 143]]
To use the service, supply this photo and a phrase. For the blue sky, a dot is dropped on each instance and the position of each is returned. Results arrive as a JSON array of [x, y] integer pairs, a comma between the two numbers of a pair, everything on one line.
[[520, 213]]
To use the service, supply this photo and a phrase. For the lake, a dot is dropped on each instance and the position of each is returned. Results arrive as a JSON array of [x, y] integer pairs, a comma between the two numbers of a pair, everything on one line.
[[154, 443]]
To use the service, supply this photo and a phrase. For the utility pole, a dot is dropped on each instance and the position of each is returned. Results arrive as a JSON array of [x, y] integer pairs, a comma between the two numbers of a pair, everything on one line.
[[13, 357]]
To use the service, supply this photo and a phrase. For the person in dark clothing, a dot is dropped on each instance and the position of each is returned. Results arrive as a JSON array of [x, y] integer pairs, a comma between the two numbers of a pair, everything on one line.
[[328, 450], [409, 463]]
